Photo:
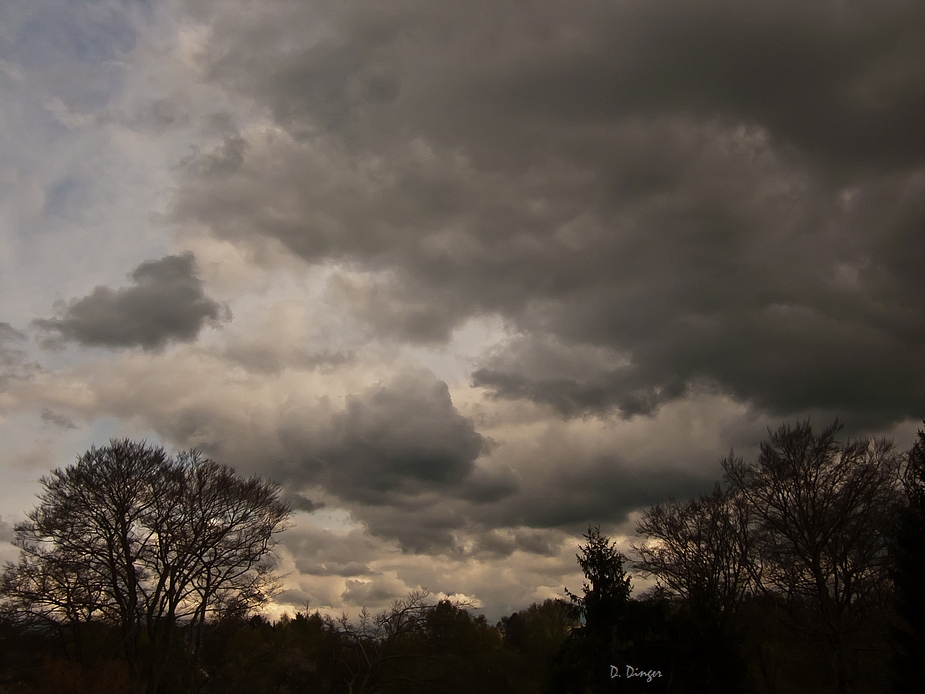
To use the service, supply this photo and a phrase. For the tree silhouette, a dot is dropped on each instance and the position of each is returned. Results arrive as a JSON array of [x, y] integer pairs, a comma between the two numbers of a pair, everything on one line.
[[699, 549], [144, 542], [908, 576], [606, 591], [603, 606], [823, 512]]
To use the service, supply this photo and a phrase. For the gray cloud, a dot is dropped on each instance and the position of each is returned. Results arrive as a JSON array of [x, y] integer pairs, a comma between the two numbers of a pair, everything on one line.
[[676, 224], [300, 502], [488, 486], [604, 492], [157, 115], [165, 303], [265, 359], [504, 542], [714, 195], [322, 553], [398, 455], [361, 593], [58, 420], [393, 442], [431, 525], [350, 568]]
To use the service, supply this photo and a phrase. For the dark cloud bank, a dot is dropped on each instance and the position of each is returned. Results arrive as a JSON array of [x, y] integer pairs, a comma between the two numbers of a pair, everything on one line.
[[657, 200], [165, 302], [413, 469], [655, 197]]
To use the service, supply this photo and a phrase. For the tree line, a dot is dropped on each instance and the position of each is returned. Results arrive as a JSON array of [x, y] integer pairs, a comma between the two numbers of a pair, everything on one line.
[[802, 571]]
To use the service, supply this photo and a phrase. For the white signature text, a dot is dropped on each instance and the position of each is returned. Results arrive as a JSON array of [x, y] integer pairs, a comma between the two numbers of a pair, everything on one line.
[[635, 672]]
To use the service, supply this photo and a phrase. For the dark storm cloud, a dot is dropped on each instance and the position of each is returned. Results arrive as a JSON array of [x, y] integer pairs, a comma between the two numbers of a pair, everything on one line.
[[712, 194], [392, 444], [430, 525], [399, 456], [300, 502], [604, 492], [165, 303], [564, 381], [559, 493], [503, 542], [502, 68], [489, 486]]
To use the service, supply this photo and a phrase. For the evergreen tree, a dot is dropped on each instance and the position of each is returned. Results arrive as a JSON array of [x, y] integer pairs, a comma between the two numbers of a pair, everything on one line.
[[599, 644], [606, 591]]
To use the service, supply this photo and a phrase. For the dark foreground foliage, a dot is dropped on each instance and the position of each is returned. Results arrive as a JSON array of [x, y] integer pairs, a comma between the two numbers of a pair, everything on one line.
[[443, 648]]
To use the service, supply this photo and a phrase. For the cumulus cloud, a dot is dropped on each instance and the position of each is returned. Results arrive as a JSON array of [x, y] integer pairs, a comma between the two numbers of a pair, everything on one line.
[[399, 439], [165, 302], [397, 453], [323, 552]]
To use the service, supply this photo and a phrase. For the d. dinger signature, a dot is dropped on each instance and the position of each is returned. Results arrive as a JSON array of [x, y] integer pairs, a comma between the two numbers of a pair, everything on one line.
[[635, 672]]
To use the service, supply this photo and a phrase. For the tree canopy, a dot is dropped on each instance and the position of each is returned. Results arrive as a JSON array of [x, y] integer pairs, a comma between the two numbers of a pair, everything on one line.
[[143, 541]]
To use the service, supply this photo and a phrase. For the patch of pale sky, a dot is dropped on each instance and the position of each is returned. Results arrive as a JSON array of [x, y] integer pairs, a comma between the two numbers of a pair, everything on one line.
[[454, 361], [122, 169]]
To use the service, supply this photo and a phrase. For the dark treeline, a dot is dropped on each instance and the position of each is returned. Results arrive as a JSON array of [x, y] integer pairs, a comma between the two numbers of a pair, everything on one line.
[[802, 571]]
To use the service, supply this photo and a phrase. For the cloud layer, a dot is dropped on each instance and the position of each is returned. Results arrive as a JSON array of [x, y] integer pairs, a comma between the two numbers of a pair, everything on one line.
[[716, 194], [484, 272]]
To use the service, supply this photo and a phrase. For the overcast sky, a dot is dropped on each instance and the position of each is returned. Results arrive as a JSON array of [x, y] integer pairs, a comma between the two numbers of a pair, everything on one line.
[[464, 277]]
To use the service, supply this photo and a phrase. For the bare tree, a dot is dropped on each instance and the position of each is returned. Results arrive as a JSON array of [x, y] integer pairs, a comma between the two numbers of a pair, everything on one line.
[[49, 589], [374, 644], [215, 531], [822, 515], [699, 549], [146, 542]]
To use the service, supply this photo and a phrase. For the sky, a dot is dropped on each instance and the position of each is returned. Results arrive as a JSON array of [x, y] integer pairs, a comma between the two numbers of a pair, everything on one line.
[[462, 277]]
